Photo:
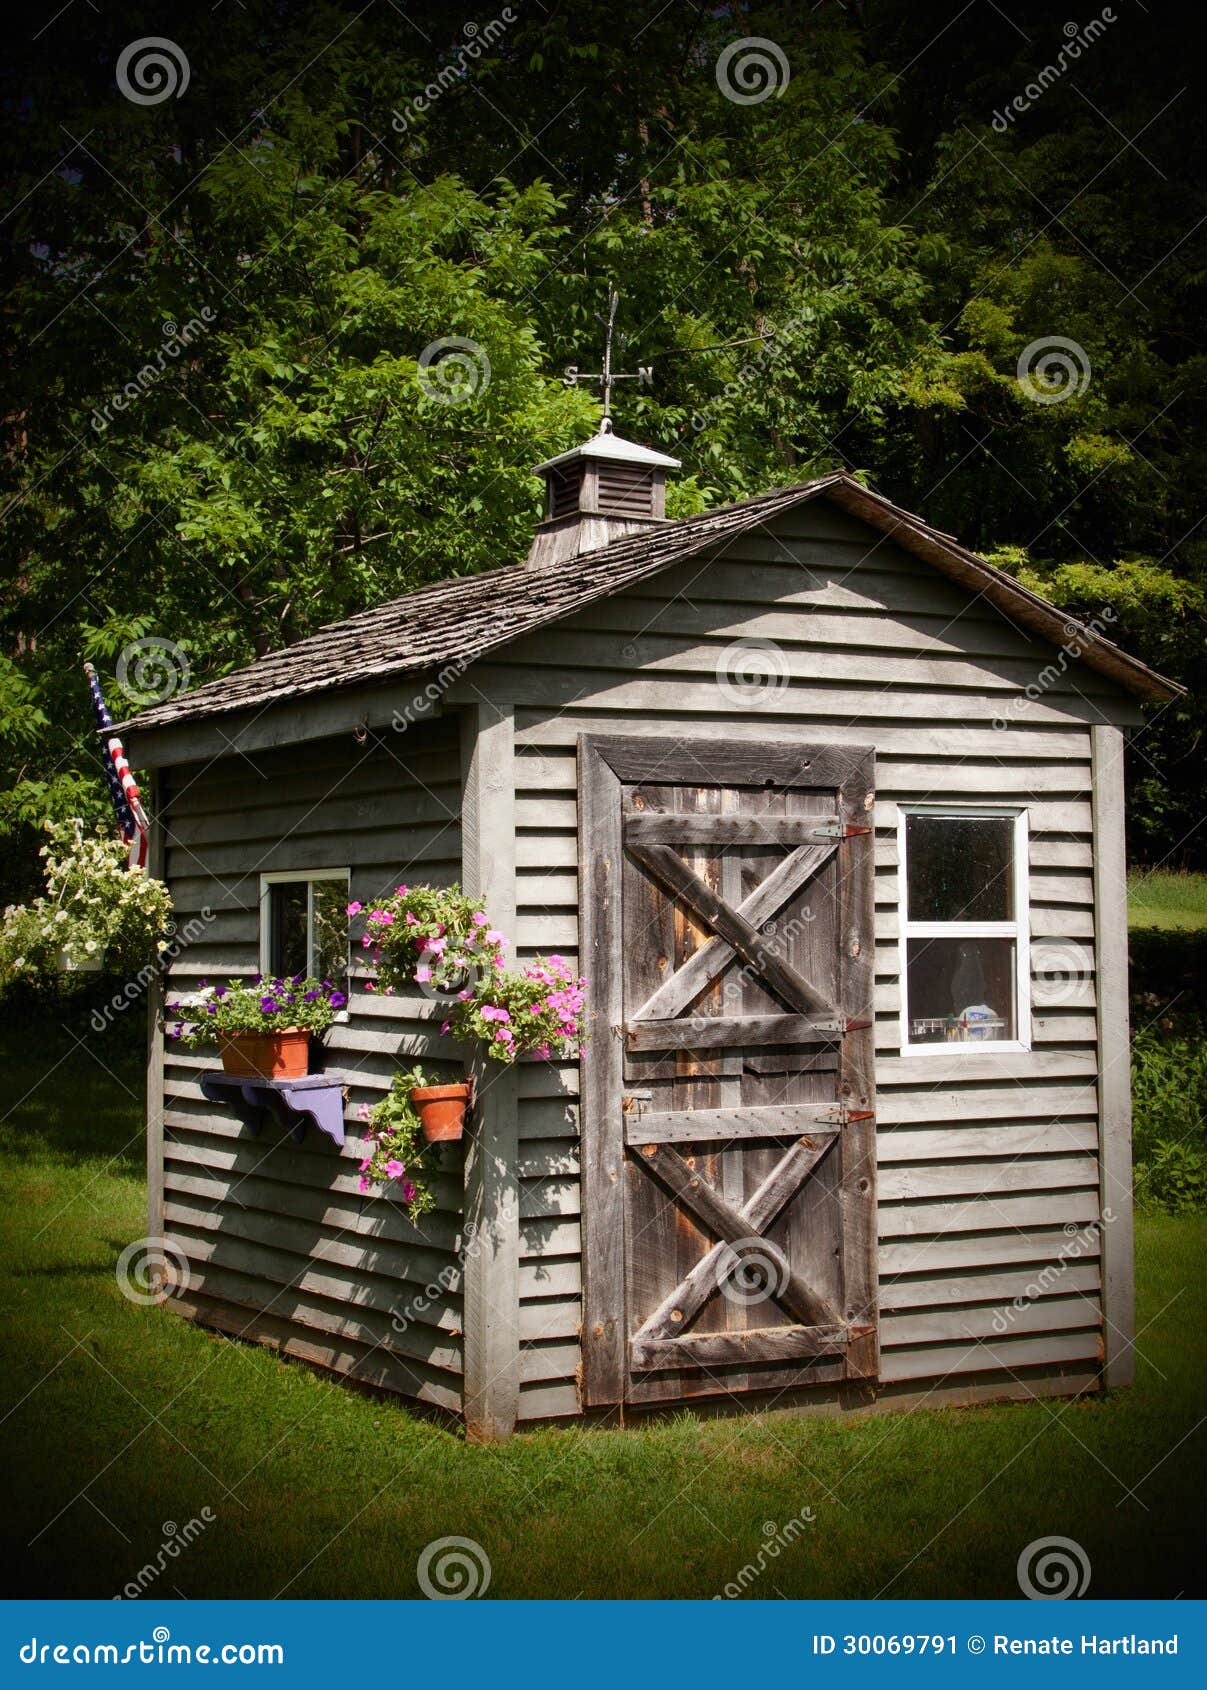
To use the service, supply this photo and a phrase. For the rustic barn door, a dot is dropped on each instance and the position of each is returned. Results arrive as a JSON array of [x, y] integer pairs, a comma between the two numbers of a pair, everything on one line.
[[728, 1196]]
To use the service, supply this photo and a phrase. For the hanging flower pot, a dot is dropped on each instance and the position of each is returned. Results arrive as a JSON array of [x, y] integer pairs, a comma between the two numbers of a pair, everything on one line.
[[442, 1110], [282, 1054]]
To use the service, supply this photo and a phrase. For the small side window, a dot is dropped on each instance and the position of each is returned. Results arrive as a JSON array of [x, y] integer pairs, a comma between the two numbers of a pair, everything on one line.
[[304, 923], [964, 933]]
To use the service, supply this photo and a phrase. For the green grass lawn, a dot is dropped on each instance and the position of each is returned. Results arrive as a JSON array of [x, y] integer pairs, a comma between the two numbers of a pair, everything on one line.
[[123, 1423], [1166, 898]]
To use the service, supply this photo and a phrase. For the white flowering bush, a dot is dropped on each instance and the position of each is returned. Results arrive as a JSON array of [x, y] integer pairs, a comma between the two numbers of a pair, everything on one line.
[[96, 911]]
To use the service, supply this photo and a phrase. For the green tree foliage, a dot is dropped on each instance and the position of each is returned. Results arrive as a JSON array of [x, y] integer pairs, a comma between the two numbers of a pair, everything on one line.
[[216, 433]]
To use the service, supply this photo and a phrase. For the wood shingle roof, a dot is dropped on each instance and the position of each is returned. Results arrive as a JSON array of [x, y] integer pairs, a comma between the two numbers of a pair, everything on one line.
[[456, 622]]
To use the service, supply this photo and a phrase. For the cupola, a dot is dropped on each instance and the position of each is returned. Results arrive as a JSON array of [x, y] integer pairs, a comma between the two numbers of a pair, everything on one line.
[[598, 492]]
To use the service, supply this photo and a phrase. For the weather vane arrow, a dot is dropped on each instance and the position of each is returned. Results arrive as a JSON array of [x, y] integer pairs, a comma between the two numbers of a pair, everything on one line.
[[607, 377]]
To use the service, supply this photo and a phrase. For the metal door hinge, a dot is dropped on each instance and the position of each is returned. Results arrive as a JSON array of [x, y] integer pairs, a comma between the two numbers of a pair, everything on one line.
[[839, 1024], [837, 830], [842, 1115]]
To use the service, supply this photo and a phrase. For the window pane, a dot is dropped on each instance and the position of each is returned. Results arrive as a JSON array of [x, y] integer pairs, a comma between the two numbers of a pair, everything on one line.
[[287, 926], [330, 929], [960, 868], [960, 990]]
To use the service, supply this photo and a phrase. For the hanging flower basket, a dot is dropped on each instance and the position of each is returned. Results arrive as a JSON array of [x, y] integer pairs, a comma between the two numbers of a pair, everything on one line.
[[70, 962], [280, 1055], [442, 1110]]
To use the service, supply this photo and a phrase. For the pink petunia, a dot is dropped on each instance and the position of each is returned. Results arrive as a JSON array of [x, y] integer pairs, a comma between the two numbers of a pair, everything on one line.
[[445, 1026], [394, 1168], [423, 975], [364, 1112], [365, 1185], [355, 907], [479, 920], [407, 1191]]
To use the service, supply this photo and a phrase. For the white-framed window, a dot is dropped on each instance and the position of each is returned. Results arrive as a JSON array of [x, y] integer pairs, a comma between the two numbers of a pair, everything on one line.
[[965, 965], [304, 923]]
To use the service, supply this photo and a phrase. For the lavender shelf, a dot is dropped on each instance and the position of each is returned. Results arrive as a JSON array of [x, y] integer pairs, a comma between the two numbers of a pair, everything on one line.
[[312, 1097]]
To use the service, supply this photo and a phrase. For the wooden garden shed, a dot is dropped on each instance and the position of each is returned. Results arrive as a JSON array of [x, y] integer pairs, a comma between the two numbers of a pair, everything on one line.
[[830, 813]]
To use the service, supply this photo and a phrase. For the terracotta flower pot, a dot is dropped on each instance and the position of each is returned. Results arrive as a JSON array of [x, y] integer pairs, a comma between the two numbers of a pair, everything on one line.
[[283, 1055], [442, 1110]]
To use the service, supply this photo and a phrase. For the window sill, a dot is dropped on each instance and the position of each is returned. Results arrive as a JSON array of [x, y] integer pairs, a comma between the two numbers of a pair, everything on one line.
[[972, 1047]]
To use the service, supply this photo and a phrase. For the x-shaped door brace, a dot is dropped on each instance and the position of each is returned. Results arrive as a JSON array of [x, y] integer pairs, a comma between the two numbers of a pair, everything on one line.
[[653, 1344], [734, 930]]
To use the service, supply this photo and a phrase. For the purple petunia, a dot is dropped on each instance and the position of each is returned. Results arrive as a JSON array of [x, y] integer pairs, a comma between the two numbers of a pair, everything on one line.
[[269, 1006], [338, 1000]]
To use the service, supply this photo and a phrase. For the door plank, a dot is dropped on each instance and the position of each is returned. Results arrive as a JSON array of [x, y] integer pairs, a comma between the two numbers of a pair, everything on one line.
[[605, 1364], [643, 828], [696, 762], [758, 1344], [686, 984], [856, 971], [732, 1225], [699, 1126], [750, 944], [713, 1032]]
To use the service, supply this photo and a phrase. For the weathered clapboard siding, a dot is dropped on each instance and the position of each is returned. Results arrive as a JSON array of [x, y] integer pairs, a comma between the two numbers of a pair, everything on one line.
[[281, 1244], [984, 1159], [992, 1262]]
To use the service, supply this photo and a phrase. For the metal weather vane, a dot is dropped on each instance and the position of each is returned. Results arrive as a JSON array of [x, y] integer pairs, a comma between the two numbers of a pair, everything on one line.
[[607, 377]]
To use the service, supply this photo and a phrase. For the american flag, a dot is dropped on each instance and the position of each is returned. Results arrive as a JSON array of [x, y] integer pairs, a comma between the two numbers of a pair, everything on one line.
[[132, 821]]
